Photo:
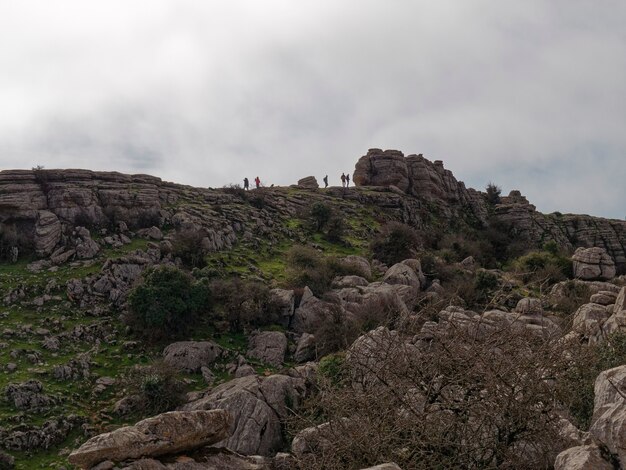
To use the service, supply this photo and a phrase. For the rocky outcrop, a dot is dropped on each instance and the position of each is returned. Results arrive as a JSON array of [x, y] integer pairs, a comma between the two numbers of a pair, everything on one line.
[[257, 405], [168, 433], [35, 438], [28, 396], [269, 347], [309, 182], [592, 264], [191, 356], [587, 457]]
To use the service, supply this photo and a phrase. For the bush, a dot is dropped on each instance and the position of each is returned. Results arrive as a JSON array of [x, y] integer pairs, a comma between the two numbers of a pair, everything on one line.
[[188, 246], [157, 388], [439, 406], [308, 267], [243, 304], [320, 215], [543, 267], [493, 194], [166, 304], [395, 243]]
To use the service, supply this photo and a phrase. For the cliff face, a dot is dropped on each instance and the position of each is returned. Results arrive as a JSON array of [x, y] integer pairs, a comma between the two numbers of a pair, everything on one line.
[[39, 209], [431, 183]]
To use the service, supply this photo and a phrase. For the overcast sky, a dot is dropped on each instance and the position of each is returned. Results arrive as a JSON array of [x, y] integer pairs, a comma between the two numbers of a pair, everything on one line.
[[528, 94]]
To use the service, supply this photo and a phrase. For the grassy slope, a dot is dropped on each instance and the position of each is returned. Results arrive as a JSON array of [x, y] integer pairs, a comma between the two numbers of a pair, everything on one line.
[[259, 259]]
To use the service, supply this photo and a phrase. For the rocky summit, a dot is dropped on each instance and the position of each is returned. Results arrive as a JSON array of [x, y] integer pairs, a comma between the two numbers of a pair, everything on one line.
[[406, 322]]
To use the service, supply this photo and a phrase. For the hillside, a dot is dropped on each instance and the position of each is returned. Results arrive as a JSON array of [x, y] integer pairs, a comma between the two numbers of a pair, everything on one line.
[[289, 278]]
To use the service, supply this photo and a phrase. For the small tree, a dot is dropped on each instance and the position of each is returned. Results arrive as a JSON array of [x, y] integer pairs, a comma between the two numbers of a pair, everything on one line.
[[320, 215], [166, 304], [397, 242], [493, 193]]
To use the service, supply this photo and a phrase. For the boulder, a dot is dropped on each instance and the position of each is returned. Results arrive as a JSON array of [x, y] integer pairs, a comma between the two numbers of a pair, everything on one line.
[[359, 264], [341, 282], [167, 433], [589, 319], [529, 306], [593, 264], [384, 466], [283, 301], [191, 356], [305, 349], [28, 396], [257, 405], [268, 346], [587, 457], [309, 182], [151, 233], [609, 413], [47, 232], [403, 274], [604, 298], [378, 168]]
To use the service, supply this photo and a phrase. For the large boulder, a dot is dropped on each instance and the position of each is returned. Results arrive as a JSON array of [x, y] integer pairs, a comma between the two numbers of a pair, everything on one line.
[[609, 411], [257, 405], [308, 182], [168, 433], [191, 356], [358, 265], [587, 457], [47, 232], [529, 306], [378, 168], [268, 346], [402, 273], [593, 264], [283, 301]]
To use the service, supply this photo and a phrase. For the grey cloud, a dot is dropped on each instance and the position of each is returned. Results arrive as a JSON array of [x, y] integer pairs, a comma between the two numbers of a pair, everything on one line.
[[528, 94]]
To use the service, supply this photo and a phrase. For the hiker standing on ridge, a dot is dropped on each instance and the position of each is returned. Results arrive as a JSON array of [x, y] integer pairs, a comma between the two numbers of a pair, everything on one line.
[[343, 180], [326, 181], [347, 180], [246, 184], [257, 182]]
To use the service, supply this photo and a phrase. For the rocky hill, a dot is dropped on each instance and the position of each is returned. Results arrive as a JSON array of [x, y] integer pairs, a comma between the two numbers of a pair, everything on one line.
[[288, 278]]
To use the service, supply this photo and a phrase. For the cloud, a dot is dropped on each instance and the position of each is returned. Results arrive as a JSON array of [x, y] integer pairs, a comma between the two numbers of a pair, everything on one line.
[[530, 94]]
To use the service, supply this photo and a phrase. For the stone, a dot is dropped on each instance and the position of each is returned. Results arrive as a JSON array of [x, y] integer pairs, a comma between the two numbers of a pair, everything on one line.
[[152, 233], [593, 264], [305, 349], [283, 301], [403, 274], [609, 413], [589, 318], [603, 298], [47, 232], [257, 406], [341, 282], [358, 264], [191, 356], [268, 346], [529, 306], [587, 457], [167, 433], [28, 396], [384, 466], [312, 440], [378, 168], [309, 182]]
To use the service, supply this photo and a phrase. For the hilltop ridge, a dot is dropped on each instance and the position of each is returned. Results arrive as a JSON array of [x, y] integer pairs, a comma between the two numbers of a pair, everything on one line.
[[38, 208]]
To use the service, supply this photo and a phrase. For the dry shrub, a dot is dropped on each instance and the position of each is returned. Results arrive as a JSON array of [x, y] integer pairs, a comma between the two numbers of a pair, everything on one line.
[[156, 388], [187, 245], [459, 401]]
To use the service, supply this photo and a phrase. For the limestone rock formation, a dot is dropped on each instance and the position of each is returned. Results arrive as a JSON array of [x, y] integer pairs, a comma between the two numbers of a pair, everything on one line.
[[269, 347], [587, 457], [167, 433], [310, 182], [257, 405], [592, 264], [191, 356]]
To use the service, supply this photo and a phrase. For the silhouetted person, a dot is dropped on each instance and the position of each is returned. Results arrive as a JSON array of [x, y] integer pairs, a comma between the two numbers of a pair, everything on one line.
[[257, 182], [326, 181], [343, 180], [246, 184], [347, 180]]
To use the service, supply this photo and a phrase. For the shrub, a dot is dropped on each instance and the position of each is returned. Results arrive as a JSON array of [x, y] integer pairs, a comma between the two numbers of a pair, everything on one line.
[[243, 304], [320, 215], [335, 229], [395, 243], [157, 388], [166, 304], [543, 267], [493, 193], [188, 246]]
